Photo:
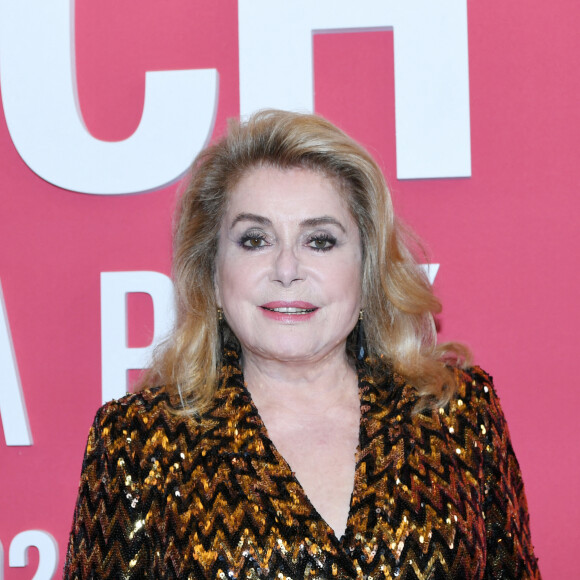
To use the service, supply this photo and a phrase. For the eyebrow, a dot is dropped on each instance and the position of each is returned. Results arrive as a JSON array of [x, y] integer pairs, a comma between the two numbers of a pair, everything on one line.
[[251, 217], [322, 221], [309, 223]]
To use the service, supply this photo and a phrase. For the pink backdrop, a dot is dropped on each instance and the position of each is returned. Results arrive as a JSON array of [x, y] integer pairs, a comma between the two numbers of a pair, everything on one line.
[[507, 238]]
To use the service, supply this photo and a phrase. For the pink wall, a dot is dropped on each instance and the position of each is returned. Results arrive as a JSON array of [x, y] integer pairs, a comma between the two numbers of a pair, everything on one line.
[[506, 238]]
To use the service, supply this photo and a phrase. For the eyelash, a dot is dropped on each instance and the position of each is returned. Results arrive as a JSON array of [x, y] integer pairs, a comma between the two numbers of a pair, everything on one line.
[[329, 241], [247, 239]]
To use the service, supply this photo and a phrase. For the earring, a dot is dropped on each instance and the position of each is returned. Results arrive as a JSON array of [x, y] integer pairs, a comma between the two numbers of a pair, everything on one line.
[[220, 314], [360, 338]]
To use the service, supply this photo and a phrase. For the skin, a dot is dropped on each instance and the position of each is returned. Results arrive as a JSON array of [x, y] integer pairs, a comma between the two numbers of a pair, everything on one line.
[[288, 242]]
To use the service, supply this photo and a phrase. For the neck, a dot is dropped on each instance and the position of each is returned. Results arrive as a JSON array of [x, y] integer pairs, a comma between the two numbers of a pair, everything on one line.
[[305, 387]]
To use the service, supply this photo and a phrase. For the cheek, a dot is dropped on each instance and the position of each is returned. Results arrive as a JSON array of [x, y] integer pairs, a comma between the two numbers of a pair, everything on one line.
[[233, 281], [344, 279]]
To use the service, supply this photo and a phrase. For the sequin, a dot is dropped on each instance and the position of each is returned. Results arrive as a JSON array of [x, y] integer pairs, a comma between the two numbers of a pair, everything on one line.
[[213, 498]]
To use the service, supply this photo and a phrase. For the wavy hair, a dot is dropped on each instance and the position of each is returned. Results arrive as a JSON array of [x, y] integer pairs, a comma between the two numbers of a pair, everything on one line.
[[397, 298]]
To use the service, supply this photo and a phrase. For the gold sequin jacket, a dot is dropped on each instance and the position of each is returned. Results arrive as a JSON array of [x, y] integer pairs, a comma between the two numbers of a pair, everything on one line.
[[437, 495]]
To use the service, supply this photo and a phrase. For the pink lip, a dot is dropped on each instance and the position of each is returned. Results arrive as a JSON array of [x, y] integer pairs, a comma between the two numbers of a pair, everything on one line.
[[268, 311], [283, 304]]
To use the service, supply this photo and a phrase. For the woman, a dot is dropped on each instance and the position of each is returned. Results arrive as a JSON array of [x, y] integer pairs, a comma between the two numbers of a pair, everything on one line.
[[285, 441]]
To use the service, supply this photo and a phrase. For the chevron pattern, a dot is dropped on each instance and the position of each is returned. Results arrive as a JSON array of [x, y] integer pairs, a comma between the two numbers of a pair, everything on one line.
[[436, 495]]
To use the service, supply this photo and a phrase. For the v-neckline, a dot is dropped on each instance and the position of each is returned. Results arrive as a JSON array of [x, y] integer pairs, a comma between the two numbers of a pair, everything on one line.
[[359, 472], [274, 501]]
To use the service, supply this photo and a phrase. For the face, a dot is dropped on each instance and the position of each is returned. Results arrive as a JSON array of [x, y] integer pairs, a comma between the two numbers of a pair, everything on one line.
[[288, 266]]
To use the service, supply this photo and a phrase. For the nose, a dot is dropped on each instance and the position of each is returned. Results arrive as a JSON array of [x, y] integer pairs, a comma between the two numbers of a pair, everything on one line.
[[287, 268]]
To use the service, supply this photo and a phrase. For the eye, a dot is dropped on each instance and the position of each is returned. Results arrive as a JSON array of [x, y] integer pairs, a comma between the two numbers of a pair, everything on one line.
[[253, 241], [322, 242]]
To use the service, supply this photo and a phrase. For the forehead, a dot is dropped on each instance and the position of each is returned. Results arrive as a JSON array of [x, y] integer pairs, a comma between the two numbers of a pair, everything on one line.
[[285, 193]]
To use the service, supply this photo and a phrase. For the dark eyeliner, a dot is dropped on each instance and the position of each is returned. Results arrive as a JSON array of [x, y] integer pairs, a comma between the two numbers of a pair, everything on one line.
[[329, 242], [251, 236]]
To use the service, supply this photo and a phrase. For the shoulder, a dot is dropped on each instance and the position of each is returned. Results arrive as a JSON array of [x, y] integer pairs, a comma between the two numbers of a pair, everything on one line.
[[475, 393], [470, 411], [137, 424], [472, 385], [132, 409], [476, 407]]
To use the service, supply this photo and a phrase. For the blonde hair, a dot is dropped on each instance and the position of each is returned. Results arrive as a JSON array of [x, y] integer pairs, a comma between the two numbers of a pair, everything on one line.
[[397, 298]]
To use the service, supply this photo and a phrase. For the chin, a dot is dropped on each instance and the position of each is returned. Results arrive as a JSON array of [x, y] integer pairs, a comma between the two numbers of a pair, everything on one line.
[[285, 351]]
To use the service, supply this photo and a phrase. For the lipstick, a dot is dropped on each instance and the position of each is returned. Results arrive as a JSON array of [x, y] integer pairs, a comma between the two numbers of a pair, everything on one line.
[[289, 312]]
